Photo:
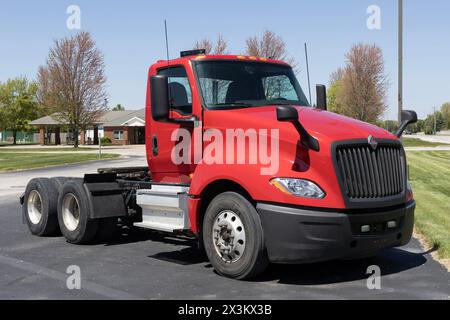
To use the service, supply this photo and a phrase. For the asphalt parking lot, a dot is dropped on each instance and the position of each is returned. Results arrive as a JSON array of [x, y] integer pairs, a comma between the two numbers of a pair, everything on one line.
[[140, 264]]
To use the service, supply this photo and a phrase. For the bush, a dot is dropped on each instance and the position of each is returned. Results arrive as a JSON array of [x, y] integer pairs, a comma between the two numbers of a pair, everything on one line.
[[105, 140]]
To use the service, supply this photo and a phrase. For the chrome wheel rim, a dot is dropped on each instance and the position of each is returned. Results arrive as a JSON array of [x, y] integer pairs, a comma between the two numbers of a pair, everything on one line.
[[70, 212], [229, 236], [34, 206]]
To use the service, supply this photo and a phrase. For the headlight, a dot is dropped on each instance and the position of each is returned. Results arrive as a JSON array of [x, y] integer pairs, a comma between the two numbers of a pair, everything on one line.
[[298, 187]]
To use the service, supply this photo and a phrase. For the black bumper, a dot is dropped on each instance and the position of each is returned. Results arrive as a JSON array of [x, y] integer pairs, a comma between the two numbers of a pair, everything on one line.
[[294, 235]]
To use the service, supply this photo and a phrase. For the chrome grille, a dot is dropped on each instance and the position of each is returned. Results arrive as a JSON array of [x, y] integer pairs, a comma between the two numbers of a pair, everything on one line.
[[372, 174]]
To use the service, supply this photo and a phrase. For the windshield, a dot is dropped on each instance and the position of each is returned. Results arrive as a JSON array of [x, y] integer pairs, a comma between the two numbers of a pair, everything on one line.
[[236, 84]]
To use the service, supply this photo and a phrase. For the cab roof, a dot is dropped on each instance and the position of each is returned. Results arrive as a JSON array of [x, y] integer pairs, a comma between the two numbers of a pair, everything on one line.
[[204, 57]]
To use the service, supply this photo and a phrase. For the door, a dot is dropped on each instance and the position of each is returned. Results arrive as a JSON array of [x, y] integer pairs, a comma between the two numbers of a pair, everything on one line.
[[169, 162], [139, 135]]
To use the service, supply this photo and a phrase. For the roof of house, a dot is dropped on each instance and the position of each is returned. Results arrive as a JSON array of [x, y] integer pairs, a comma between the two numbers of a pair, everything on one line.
[[126, 119], [47, 120], [108, 119]]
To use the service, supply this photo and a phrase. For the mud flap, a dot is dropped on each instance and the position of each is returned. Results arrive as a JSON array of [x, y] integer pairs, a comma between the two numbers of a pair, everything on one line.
[[105, 196]]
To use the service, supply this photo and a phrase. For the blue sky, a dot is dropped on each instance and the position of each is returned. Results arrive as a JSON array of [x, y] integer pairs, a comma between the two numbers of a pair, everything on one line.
[[131, 36]]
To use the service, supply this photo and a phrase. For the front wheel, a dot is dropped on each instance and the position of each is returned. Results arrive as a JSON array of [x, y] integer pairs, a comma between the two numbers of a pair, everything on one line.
[[233, 237]]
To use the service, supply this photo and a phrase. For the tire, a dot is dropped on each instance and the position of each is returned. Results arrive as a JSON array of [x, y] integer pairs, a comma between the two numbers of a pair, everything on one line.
[[40, 207], [74, 213], [59, 181], [227, 212]]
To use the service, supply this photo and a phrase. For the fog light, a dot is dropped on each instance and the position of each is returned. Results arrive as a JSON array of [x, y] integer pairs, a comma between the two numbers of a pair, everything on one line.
[[392, 224], [365, 229]]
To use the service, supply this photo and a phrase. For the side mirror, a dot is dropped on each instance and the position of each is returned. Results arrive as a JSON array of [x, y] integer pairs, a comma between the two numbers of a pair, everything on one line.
[[159, 95], [408, 117], [290, 114], [287, 114], [321, 93]]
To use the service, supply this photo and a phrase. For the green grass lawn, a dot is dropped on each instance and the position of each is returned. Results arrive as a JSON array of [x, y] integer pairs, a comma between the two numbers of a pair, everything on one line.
[[10, 160], [430, 178], [413, 142]]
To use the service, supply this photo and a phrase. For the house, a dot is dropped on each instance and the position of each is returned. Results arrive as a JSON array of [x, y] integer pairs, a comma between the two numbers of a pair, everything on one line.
[[120, 127]]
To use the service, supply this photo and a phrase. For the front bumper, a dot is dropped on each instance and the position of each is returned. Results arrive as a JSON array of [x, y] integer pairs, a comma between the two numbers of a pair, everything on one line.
[[294, 235]]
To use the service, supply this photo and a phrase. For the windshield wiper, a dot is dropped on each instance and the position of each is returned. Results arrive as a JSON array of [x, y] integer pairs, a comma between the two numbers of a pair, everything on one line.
[[233, 104], [283, 103]]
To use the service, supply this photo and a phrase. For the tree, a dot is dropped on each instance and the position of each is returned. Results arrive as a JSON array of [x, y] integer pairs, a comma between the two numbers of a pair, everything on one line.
[[72, 83], [389, 125], [360, 88], [220, 47], [332, 94], [445, 110], [269, 45], [17, 105], [118, 107], [434, 123], [416, 127]]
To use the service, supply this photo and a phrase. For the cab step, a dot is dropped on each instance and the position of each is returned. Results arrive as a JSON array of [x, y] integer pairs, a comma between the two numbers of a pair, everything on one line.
[[164, 208]]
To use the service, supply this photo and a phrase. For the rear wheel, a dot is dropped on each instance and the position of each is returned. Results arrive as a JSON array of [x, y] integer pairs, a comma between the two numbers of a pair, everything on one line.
[[74, 213], [40, 207], [233, 237]]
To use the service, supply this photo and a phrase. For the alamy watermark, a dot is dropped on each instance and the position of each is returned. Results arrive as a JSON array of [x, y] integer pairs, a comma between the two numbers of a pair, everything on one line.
[[374, 18], [73, 22], [374, 280], [234, 146], [73, 281]]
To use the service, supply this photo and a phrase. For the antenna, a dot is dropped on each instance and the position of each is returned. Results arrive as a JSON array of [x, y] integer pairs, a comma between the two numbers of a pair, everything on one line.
[[168, 58], [167, 42], [307, 71]]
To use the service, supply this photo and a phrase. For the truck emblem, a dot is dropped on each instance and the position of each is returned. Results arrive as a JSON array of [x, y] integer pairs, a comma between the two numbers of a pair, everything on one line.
[[372, 142]]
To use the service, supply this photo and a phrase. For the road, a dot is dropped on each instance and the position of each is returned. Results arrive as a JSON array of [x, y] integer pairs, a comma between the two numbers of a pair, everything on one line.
[[13, 183], [146, 265]]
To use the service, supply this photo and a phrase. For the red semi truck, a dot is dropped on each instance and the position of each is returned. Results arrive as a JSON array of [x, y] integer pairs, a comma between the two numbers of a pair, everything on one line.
[[240, 160]]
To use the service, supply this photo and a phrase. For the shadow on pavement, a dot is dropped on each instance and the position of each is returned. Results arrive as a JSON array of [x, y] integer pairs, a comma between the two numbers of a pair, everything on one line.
[[390, 261]]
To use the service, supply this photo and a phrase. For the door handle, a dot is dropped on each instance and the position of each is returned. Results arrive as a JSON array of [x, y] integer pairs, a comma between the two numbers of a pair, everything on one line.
[[155, 145]]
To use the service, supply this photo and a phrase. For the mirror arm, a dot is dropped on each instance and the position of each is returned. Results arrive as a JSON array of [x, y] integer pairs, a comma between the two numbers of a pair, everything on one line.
[[307, 140], [402, 129]]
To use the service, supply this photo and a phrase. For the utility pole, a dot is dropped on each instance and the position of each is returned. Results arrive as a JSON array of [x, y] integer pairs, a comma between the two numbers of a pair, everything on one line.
[[99, 138], [400, 60]]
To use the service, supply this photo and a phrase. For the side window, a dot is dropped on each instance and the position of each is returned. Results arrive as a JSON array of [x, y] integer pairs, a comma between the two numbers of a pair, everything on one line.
[[180, 95], [279, 88]]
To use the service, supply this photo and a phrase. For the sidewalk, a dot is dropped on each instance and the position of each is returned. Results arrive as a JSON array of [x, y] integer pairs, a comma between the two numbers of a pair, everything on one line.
[[441, 137], [440, 148]]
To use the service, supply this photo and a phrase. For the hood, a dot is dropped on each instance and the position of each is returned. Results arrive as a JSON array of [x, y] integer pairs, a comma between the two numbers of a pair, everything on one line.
[[322, 125]]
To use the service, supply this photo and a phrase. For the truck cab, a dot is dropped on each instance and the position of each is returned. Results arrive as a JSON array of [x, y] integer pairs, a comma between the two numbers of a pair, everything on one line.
[[345, 195], [239, 159]]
